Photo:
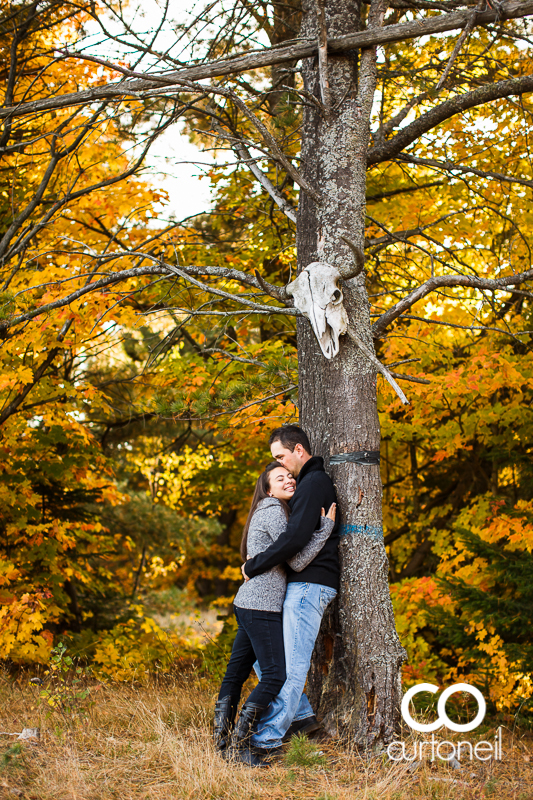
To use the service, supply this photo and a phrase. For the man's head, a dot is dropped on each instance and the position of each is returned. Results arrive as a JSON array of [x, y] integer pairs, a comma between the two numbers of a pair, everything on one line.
[[290, 447]]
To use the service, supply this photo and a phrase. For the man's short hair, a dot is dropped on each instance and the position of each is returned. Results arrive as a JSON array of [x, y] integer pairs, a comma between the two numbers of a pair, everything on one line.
[[289, 436]]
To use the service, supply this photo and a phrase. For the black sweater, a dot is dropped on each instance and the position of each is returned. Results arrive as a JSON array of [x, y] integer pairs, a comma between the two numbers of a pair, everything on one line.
[[314, 491]]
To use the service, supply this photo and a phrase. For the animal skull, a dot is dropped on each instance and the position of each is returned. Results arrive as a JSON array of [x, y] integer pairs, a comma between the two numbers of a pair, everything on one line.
[[318, 296]]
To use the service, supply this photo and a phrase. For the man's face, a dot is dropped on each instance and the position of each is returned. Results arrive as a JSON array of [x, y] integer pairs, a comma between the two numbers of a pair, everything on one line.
[[292, 461]]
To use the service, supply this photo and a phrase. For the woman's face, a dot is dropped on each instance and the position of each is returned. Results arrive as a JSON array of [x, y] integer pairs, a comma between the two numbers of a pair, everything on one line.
[[282, 484]]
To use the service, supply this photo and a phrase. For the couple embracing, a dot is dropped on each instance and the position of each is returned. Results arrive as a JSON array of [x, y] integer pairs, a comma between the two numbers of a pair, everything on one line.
[[291, 574]]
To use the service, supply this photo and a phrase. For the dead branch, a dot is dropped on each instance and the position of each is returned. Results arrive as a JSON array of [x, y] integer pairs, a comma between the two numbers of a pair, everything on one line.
[[159, 268], [323, 57], [455, 105], [471, 281], [462, 38], [402, 377], [387, 127], [274, 147], [246, 158], [225, 295], [292, 51], [450, 166], [244, 155], [374, 198], [377, 363], [470, 328]]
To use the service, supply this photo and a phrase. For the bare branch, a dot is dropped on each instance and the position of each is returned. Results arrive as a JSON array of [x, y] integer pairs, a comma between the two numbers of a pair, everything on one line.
[[450, 166], [462, 38], [292, 51], [159, 268], [377, 363], [402, 377], [242, 277], [470, 328], [323, 57], [455, 105], [387, 127], [491, 285], [245, 157], [374, 198], [275, 148], [226, 295]]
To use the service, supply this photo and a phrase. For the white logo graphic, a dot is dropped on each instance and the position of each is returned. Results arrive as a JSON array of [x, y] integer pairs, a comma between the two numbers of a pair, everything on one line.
[[443, 718], [446, 751]]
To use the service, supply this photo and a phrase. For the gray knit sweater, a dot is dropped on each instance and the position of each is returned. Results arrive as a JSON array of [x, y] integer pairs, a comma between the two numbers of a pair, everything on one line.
[[266, 592]]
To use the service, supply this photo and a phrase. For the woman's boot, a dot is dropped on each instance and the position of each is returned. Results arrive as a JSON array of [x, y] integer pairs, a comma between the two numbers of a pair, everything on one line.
[[242, 750], [224, 720]]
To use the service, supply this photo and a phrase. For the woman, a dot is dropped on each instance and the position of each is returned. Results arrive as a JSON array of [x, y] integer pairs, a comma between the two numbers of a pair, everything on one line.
[[258, 605]]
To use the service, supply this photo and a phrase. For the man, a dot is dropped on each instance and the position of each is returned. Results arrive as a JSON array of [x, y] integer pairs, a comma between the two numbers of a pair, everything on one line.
[[309, 592]]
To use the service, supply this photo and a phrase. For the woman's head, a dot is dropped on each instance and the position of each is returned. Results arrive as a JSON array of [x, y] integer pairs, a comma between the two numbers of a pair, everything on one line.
[[274, 481], [279, 482]]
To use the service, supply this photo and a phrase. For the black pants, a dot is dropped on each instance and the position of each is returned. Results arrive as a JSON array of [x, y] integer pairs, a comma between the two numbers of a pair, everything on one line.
[[259, 636]]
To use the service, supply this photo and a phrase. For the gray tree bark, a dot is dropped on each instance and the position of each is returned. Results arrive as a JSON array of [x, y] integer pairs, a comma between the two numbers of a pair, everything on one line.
[[355, 676]]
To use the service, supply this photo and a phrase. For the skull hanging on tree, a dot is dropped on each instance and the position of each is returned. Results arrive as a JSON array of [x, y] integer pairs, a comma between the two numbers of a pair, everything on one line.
[[318, 296]]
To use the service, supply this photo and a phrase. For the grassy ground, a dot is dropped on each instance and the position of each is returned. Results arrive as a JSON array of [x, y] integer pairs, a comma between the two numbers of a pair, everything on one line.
[[154, 743]]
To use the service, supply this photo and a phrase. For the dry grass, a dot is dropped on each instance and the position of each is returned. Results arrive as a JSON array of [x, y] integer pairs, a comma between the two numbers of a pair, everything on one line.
[[153, 743]]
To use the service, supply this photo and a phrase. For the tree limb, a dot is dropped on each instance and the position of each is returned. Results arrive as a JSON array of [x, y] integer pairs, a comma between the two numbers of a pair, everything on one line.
[[402, 377], [374, 198], [491, 285], [450, 166], [159, 268], [292, 51], [484, 94], [464, 35], [377, 363], [245, 157]]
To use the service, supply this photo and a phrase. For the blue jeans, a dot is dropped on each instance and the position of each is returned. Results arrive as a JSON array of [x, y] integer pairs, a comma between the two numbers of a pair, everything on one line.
[[303, 609]]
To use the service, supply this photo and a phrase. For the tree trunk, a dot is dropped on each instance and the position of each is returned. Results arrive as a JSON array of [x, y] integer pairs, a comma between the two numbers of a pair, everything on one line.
[[354, 681]]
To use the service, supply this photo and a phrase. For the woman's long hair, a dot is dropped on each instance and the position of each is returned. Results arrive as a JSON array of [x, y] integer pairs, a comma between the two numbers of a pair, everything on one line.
[[262, 488]]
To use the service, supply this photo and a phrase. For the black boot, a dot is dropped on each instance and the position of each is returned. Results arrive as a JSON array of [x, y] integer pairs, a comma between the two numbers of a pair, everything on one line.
[[250, 712], [240, 741], [257, 756], [307, 726], [224, 721]]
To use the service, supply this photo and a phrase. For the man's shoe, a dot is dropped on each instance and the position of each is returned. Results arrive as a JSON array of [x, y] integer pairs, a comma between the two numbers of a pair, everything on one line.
[[256, 756], [306, 726]]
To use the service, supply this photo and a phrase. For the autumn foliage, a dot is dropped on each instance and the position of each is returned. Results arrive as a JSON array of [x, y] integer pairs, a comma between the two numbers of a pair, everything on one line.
[[132, 431]]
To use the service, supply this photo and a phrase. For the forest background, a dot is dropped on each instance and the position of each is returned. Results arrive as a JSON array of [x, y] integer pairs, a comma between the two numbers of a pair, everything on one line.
[[133, 427]]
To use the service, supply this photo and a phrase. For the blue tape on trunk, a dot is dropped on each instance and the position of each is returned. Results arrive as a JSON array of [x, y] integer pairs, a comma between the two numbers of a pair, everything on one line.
[[372, 531]]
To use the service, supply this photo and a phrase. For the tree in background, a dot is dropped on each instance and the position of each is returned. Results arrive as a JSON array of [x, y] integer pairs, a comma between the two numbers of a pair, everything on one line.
[[444, 145], [483, 621]]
